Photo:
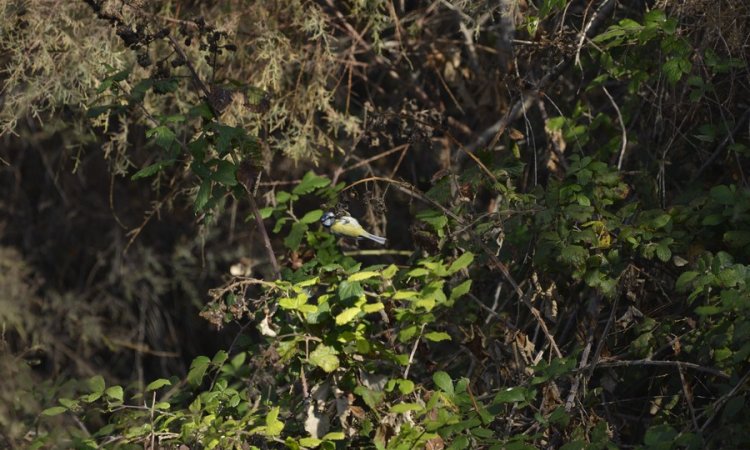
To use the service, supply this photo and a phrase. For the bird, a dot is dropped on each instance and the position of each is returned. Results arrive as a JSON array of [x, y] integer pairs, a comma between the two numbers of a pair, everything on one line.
[[348, 226]]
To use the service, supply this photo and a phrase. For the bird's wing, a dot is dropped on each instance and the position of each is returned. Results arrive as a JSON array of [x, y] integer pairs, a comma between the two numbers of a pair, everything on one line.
[[350, 221]]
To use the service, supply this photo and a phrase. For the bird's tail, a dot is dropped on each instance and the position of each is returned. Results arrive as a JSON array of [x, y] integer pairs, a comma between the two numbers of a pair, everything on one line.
[[372, 237]]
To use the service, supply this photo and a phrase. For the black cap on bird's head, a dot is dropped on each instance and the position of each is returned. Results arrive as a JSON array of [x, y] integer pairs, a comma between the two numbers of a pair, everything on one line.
[[327, 219]]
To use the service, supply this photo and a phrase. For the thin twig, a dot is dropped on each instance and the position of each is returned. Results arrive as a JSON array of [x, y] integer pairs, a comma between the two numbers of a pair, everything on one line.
[[410, 190], [348, 155], [400, 160], [688, 396], [376, 157], [264, 234], [303, 380], [584, 32], [622, 127], [649, 362], [475, 405], [240, 282], [494, 131], [577, 380], [719, 150], [534, 311], [376, 252], [413, 352], [195, 77], [157, 206], [474, 158], [151, 418], [716, 407], [602, 339]]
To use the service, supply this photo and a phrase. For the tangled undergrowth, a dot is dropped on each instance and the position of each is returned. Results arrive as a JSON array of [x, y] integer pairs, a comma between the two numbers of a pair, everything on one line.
[[562, 184]]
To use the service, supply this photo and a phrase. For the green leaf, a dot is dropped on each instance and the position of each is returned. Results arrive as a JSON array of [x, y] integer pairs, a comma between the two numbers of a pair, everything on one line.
[[347, 315], [435, 218], [573, 255], [204, 193], [460, 442], [660, 221], [219, 358], [406, 387], [309, 183], [226, 173], [676, 67], [406, 407], [111, 80], [310, 442], [389, 272], [238, 359], [437, 336], [312, 216], [288, 349], [728, 278], [55, 410], [293, 302], [350, 289], [104, 85], [460, 290], [334, 436], [138, 93], [115, 392], [443, 381], [152, 169], [227, 137], [574, 445], [197, 148], [405, 295], [511, 395], [722, 194], [683, 281], [94, 396], [308, 282], [198, 370], [174, 118], [157, 384], [273, 425], [663, 253], [418, 272], [461, 262], [712, 219], [737, 238], [96, 384], [373, 307], [405, 334], [283, 197], [359, 276], [162, 135], [165, 86], [279, 223], [582, 200], [325, 357], [708, 310], [294, 238], [720, 354], [69, 403], [371, 397]]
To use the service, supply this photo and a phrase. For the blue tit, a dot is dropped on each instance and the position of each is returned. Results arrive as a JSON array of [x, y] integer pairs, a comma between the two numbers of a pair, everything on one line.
[[348, 226]]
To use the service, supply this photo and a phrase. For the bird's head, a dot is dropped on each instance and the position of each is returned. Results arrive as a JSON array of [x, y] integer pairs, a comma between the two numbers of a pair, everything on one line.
[[327, 219]]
